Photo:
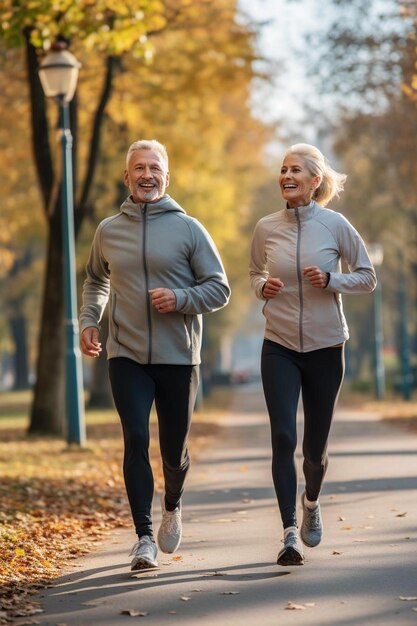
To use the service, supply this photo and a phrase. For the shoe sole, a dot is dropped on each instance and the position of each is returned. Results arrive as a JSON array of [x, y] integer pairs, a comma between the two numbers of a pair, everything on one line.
[[143, 564], [290, 557], [167, 550], [309, 545]]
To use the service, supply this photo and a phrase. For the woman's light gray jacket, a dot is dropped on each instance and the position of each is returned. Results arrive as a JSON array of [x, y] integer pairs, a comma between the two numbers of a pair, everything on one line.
[[143, 247], [302, 317]]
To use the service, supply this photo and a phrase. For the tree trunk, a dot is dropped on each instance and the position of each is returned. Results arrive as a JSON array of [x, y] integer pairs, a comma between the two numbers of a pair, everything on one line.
[[20, 358], [47, 415]]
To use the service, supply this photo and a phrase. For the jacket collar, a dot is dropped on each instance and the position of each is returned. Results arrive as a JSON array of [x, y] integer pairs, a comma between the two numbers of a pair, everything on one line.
[[301, 212], [135, 210]]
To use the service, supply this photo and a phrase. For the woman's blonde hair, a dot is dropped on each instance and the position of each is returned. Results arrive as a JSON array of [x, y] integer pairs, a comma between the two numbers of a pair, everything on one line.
[[331, 182]]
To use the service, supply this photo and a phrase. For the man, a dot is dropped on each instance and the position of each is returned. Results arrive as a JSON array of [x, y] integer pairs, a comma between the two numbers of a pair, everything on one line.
[[160, 271]]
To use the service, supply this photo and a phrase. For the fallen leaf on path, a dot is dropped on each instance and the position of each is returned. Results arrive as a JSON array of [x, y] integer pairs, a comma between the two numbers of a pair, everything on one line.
[[335, 552], [243, 468], [291, 606], [347, 527], [341, 519], [185, 598], [408, 598], [247, 501], [177, 558], [229, 593], [133, 613], [401, 514]]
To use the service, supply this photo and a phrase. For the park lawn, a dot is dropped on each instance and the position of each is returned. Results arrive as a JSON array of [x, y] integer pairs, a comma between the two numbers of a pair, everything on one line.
[[58, 502]]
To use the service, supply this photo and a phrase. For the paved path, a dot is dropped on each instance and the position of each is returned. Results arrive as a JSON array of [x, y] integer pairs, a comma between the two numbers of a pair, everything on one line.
[[225, 572]]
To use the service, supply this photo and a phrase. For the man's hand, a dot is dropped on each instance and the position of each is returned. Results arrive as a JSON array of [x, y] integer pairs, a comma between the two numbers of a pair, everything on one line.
[[272, 287], [89, 342], [163, 299], [316, 277]]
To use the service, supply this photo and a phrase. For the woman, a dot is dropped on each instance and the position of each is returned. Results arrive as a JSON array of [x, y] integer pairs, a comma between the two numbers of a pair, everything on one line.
[[295, 267]]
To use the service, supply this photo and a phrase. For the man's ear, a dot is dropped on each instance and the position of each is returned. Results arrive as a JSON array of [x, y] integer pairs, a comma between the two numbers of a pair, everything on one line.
[[126, 179]]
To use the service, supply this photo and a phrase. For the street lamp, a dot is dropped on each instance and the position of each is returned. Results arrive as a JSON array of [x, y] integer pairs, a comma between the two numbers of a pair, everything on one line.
[[58, 74], [404, 339], [376, 254]]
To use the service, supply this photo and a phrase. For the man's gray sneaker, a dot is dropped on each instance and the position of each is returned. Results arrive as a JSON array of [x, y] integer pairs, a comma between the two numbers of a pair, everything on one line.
[[292, 553], [170, 531], [312, 526], [144, 554]]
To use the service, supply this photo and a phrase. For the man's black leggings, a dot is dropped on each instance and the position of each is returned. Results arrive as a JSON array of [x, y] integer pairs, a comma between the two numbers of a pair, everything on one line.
[[135, 387], [318, 375]]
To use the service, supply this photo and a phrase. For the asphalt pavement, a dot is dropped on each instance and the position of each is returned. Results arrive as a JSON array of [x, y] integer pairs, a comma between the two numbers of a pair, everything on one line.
[[364, 573]]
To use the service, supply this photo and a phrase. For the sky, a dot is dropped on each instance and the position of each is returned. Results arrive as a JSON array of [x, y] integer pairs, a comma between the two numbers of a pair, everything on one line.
[[283, 40]]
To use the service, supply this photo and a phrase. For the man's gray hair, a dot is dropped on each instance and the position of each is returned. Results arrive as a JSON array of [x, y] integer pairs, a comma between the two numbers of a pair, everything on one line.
[[147, 144]]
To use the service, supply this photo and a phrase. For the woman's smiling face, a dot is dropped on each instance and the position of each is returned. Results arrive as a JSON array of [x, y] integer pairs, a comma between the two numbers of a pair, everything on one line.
[[296, 182]]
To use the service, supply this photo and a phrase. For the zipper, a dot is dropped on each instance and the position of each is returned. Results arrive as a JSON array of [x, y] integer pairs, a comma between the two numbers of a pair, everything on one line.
[[145, 269], [300, 281]]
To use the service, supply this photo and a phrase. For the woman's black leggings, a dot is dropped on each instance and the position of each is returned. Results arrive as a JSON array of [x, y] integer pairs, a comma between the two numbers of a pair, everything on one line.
[[318, 375], [174, 389]]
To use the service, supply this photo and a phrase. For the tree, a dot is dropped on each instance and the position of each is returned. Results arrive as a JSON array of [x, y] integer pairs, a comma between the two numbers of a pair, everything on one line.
[[374, 125], [118, 36]]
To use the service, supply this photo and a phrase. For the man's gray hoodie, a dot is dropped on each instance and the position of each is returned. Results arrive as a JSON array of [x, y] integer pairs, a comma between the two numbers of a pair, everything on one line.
[[143, 247]]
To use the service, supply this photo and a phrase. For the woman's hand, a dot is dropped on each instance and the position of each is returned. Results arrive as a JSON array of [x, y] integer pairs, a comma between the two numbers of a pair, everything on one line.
[[317, 278], [272, 287]]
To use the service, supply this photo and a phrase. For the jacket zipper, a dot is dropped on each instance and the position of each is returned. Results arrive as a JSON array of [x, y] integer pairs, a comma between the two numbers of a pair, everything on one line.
[[300, 281], [145, 269]]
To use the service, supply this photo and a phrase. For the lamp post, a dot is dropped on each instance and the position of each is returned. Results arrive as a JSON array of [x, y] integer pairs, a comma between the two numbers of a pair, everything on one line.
[[58, 74], [376, 255], [404, 339]]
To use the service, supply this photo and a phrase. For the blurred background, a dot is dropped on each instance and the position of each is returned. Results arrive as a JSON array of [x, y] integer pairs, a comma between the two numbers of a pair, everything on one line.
[[226, 85]]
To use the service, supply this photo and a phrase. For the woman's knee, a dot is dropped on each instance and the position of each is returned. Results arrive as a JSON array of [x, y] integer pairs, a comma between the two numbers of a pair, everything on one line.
[[284, 441]]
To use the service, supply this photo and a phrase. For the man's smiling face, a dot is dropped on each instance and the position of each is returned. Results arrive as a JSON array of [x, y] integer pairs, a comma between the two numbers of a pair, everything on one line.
[[147, 176]]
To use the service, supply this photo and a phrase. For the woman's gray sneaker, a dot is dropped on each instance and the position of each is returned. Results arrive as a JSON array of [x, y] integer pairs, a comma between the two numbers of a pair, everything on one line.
[[312, 526], [144, 554], [170, 531], [292, 552]]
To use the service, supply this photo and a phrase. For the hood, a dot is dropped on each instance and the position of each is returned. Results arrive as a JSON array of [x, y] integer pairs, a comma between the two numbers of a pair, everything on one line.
[[134, 209]]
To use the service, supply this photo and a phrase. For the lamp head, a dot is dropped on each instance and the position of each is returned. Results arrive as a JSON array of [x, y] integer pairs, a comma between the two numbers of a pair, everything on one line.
[[58, 74]]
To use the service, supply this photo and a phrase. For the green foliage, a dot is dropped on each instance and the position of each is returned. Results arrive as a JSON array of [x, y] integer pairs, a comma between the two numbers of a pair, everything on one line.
[[111, 26]]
